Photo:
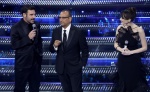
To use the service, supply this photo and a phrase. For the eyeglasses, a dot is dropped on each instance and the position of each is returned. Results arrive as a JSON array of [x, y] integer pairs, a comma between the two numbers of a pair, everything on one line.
[[63, 17]]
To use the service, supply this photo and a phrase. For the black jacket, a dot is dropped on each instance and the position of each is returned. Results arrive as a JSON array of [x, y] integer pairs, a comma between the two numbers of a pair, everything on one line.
[[70, 59], [25, 48]]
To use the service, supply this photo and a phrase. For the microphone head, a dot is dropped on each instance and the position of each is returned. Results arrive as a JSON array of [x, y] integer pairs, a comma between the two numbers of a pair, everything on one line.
[[33, 25], [126, 42]]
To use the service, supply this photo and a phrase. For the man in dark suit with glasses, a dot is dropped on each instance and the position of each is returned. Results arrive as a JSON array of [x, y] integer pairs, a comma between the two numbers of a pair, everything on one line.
[[68, 41]]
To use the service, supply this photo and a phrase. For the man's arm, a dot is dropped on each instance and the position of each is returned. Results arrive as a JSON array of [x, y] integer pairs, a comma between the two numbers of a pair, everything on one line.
[[84, 48]]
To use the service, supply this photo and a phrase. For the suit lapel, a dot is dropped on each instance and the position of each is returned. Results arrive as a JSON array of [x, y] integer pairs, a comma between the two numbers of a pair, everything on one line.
[[71, 34], [59, 36], [24, 28]]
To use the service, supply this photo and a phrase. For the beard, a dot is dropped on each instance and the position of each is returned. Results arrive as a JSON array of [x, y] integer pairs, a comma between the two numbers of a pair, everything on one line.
[[31, 21]]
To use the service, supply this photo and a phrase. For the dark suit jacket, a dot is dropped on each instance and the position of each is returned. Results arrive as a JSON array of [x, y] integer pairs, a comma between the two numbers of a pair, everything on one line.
[[25, 48], [71, 58]]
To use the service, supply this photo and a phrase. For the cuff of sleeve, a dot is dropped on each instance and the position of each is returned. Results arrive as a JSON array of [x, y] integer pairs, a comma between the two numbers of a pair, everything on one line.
[[55, 48]]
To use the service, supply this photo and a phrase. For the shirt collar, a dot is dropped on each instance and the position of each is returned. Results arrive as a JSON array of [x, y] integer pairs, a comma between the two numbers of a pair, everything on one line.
[[68, 28]]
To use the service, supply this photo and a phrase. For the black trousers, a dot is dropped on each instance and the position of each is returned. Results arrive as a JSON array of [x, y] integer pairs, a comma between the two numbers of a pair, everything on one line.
[[31, 75], [71, 82]]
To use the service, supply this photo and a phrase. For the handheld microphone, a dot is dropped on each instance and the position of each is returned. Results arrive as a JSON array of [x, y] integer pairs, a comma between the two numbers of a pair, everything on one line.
[[126, 43], [34, 26]]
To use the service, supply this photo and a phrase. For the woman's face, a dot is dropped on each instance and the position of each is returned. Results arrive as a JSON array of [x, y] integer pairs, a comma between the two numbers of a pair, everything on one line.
[[124, 21]]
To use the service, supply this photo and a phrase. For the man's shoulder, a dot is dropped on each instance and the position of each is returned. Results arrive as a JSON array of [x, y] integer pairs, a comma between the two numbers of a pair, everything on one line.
[[75, 27], [77, 30], [15, 26], [18, 24]]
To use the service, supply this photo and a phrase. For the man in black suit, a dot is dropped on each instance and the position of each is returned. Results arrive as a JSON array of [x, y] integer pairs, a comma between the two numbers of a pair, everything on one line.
[[27, 43], [68, 41]]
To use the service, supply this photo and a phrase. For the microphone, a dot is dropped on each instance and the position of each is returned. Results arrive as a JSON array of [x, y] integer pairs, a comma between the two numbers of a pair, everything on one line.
[[126, 43], [34, 26]]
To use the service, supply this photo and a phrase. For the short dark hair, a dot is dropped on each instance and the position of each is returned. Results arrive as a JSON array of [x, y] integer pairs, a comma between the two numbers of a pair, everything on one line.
[[69, 12], [25, 8], [129, 13]]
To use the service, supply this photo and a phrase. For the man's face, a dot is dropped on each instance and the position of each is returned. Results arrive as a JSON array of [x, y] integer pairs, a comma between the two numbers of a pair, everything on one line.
[[29, 17], [64, 19]]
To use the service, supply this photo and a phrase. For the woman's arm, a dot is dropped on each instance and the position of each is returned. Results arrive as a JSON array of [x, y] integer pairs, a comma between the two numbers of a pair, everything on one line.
[[143, 42]]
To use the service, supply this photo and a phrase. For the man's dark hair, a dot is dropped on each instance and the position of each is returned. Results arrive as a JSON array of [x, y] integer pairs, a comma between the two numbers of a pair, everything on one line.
[[69, 12], [25, 8]]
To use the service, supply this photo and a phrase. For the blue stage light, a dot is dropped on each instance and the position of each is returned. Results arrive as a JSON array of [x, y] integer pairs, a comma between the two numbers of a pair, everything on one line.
[[82, 11], [99, 11]]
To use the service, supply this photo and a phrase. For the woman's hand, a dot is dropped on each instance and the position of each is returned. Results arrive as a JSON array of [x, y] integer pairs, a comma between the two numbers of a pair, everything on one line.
[[126, 51]]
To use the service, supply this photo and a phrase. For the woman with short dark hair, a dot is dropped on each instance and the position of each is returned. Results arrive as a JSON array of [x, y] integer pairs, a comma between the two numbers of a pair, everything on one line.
[[130, 68]]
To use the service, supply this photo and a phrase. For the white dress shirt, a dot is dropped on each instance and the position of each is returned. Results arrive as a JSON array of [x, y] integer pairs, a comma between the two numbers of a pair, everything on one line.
[[67, 31]]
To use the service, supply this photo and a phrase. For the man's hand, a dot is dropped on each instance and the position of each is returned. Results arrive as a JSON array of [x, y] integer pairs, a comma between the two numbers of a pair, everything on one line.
[[57, 43], [32, 34]]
